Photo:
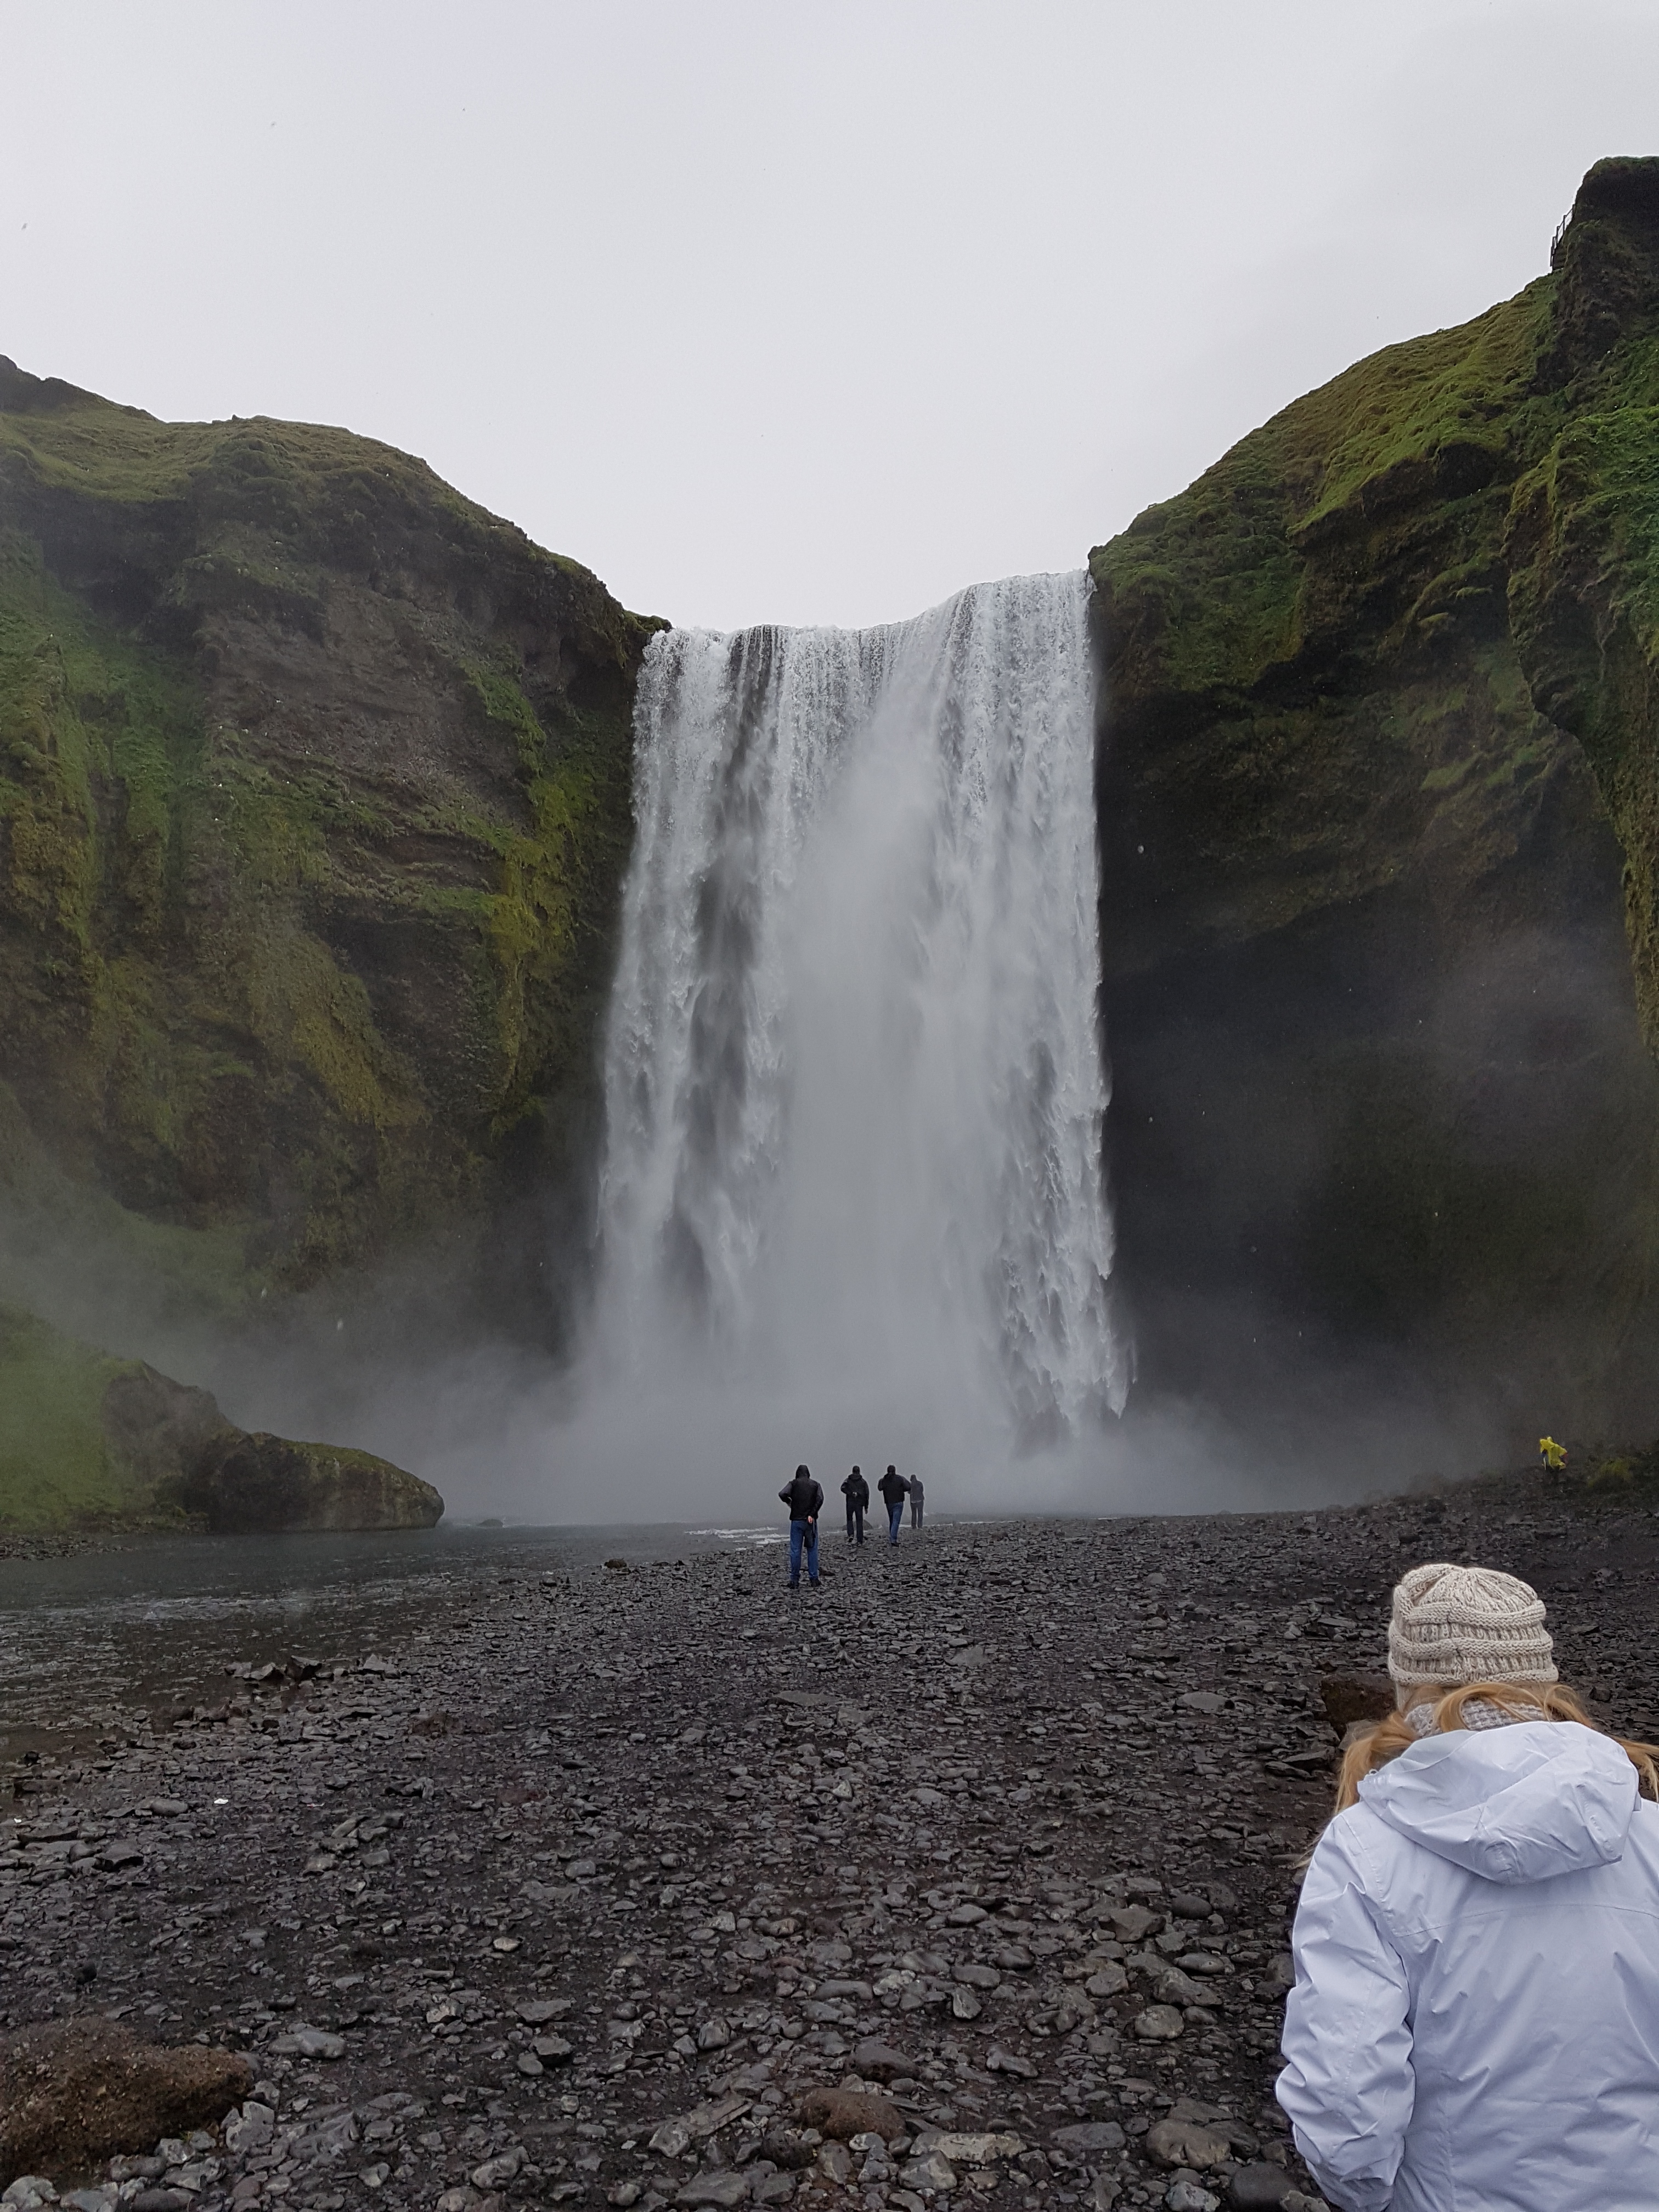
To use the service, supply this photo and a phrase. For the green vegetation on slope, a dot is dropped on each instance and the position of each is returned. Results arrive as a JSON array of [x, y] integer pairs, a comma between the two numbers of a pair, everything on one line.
[[91, 1443], [1377, 684], [56, 1469], [1478, 509], [314, 802]]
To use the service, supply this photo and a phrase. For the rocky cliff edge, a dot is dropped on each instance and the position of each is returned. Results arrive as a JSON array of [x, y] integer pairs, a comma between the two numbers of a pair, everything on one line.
[[1380, 834], [314, 802]]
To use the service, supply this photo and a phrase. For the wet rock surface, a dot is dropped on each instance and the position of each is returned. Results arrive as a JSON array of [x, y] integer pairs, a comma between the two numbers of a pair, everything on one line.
[[669, 1887]]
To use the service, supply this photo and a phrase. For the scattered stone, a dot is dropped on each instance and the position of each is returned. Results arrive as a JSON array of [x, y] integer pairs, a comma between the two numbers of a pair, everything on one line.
[[1159, 2023], [668, 1841], [1187, 2142], [496, 2173], [1190, 2197], [790, 2148], [977, 1976], [1259, 2188], [727, 2189], [879, 2062], [970, 2149], [674, 2137], [1090, 2136], [932, 2173], [999, 2061], [249, 2130], [303, 2042]]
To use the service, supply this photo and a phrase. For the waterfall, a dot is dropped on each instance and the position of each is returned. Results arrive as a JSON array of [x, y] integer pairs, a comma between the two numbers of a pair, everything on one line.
[[854, 1083]]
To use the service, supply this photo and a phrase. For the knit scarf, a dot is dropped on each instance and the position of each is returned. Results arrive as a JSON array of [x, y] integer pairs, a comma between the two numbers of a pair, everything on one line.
[[1478, 1713]]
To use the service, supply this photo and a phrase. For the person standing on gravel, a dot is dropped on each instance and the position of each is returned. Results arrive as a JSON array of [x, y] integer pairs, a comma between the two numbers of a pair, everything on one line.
[[915, 1501], [805, 1499], [1475, 2019], [893, 1488], [856, 1491]]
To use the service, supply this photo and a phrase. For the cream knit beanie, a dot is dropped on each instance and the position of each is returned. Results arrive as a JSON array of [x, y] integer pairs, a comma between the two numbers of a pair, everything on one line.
[[1467, 1624]]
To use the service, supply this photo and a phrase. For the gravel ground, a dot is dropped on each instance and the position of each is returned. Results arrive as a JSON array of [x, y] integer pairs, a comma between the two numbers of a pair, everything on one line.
[[569, 1890]]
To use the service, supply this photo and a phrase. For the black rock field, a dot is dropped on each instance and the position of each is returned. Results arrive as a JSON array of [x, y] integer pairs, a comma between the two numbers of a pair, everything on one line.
[[969, 1874]]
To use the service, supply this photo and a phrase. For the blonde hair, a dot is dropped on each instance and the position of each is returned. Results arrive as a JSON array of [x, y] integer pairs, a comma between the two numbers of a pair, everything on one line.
[[1521, 1701]]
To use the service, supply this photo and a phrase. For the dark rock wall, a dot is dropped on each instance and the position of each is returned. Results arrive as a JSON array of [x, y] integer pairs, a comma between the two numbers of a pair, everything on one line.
[[1377, 797], [314, 800]]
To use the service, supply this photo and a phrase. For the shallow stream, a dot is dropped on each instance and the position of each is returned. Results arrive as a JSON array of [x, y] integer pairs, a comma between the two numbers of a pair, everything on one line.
[[90, 1641]]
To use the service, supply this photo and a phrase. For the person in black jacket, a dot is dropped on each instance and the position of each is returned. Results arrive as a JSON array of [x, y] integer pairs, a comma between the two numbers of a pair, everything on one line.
[[856, 1491], [894, 1491], [805, 1502]]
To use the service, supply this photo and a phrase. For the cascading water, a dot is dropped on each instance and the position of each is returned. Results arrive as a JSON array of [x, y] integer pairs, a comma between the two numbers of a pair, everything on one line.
[[853, 1197]]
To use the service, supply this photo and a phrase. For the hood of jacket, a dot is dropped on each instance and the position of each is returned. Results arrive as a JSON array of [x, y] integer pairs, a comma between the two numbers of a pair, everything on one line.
[[1517, 1804]]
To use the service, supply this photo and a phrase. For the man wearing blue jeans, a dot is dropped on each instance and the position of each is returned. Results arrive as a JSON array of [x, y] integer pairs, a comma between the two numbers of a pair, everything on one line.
[[805, 1502], [893, 1488]]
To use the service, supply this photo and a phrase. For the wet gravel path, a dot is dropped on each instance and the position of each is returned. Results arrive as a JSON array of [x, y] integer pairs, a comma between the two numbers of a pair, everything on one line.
[[570, 1889]]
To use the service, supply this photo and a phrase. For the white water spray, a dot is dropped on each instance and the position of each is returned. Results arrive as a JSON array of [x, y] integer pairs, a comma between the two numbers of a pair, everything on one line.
[[853, 1197]]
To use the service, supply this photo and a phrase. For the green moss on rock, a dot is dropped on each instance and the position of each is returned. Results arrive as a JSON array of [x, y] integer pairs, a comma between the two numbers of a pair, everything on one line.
[[314, 802], [90, 1442], [1381, 736], [56, 1466], [263, 1485]]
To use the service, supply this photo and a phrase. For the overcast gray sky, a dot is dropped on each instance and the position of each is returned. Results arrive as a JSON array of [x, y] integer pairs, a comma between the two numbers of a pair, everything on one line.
[[809, 311]]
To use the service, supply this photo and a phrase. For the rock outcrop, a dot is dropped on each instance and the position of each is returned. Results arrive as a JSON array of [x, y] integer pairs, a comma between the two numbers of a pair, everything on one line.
[[90, 1442], [72, 2092], [314, 799], [261, 1485], [1379, 800]]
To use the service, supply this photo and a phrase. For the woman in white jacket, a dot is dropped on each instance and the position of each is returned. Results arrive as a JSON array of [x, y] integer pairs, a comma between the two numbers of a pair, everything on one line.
[[1474, 2026]]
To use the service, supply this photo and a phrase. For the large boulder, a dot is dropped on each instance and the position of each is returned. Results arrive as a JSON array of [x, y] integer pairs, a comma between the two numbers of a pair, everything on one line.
[[76, 2091], [263, 1484]]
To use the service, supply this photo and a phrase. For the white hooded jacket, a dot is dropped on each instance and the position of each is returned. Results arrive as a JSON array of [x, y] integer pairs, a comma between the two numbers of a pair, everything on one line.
[[1474, 2026]]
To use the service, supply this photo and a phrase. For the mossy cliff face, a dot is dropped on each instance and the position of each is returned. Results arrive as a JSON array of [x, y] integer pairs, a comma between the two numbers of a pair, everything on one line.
[[314, 800], [88, 1442], [1379, 800]]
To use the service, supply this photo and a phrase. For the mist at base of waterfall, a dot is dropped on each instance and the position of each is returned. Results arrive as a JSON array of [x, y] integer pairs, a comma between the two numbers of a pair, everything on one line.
[[502, 1431]]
